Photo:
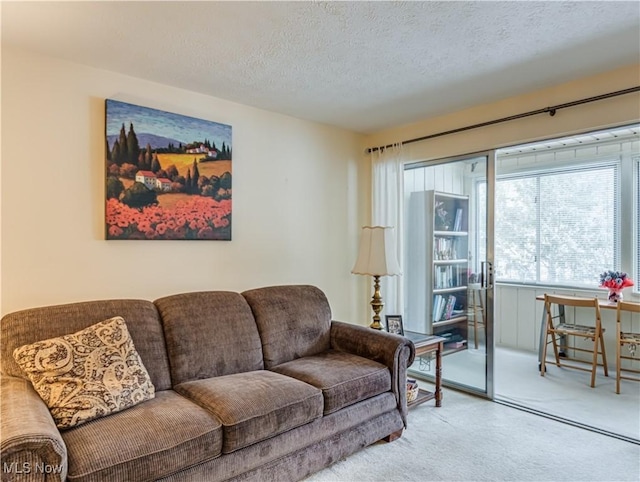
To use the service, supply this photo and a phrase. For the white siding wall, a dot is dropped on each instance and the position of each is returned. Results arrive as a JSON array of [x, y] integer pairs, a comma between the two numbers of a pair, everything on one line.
[[443, 177]]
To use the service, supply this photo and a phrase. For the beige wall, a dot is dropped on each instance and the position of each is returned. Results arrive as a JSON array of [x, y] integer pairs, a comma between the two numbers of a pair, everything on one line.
[[603, 113], [301, 189], [295, 202]]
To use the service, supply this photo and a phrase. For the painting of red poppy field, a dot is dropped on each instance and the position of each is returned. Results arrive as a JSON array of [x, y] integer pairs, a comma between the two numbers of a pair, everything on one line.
[[168, 176]]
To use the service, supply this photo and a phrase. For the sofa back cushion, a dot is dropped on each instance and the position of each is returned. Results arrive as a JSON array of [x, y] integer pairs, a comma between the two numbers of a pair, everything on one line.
[[209, 334], [37, 324], [293, 321]]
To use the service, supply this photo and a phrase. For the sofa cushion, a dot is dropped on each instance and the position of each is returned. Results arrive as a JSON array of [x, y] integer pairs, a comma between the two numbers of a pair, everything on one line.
[[294, 321], [88, 374], [209, 334], [256, 405], [149, 441], [34, 324], [343, 378]]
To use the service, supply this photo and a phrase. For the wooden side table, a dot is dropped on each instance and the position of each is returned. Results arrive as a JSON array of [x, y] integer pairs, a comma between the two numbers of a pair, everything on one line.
[[426, 344]]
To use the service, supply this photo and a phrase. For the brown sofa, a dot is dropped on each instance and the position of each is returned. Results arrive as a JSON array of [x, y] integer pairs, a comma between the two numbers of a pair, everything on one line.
[[260, 385]]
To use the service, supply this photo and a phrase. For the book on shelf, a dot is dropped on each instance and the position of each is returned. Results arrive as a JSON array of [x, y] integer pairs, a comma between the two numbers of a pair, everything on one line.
[[435, 315], [457, 224], [439, 305], [449, 308]]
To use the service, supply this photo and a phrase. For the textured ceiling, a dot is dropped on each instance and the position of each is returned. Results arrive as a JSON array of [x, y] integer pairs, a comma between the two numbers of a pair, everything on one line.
[[364, 66]]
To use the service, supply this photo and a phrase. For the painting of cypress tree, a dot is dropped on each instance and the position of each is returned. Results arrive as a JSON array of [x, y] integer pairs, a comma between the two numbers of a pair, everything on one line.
[[168, 176]]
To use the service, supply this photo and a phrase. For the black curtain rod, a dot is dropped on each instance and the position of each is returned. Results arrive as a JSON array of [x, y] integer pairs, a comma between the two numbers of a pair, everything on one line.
[[550, 110]]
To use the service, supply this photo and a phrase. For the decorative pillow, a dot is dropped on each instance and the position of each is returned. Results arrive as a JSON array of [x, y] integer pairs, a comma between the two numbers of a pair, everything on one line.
[[88, 374]]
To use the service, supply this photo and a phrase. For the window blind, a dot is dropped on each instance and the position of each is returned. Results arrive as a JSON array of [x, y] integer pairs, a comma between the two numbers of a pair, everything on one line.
[[558, 226]]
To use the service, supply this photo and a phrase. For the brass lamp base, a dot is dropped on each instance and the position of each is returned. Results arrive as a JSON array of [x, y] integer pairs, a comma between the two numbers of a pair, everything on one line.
[[376, 304]]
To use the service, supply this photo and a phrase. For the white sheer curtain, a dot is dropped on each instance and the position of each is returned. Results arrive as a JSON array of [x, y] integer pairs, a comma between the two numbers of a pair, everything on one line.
[[387, 210]]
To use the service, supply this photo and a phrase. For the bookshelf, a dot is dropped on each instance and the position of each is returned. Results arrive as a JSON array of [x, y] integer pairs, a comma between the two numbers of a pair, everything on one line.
[[437, 244]]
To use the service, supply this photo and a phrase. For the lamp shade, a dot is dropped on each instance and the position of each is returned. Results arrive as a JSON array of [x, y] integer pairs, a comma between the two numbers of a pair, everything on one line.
[[377, 253]]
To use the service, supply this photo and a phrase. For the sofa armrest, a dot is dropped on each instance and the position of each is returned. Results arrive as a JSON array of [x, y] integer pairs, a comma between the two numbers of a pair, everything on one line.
[[31, 446], [394, 351]]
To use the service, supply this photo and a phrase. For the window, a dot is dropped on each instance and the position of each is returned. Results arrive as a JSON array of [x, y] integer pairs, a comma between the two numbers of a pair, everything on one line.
[[557, 226], [567, 209]]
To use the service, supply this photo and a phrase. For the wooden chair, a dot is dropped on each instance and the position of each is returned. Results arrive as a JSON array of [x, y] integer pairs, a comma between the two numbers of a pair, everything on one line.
[[476, 312], [556, 326], [626, 338]]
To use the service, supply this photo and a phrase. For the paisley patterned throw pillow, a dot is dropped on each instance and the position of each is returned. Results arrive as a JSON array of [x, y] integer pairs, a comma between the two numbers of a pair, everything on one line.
[[88, 374]]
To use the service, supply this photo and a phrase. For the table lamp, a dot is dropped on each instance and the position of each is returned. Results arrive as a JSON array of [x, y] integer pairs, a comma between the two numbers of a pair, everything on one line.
[[377, 257]]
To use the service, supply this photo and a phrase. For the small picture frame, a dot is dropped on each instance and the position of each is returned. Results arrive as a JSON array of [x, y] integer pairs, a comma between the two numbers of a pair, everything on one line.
[[394, 324]]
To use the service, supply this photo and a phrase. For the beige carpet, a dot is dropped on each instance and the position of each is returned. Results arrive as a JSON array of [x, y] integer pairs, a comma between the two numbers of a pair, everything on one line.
[[471, 439], [565, 393]]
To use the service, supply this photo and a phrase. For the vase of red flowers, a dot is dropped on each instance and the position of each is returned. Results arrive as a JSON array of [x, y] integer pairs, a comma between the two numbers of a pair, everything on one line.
[[615, 281]]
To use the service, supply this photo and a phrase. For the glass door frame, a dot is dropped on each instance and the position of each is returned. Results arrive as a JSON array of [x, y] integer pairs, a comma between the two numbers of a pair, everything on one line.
[[490, 259], [488, 280]]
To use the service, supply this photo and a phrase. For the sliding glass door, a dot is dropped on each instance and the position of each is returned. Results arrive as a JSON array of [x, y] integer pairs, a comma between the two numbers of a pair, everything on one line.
[[448, 281]]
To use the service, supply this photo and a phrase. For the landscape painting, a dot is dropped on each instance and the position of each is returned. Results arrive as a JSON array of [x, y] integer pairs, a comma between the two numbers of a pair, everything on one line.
[[168, 176]]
